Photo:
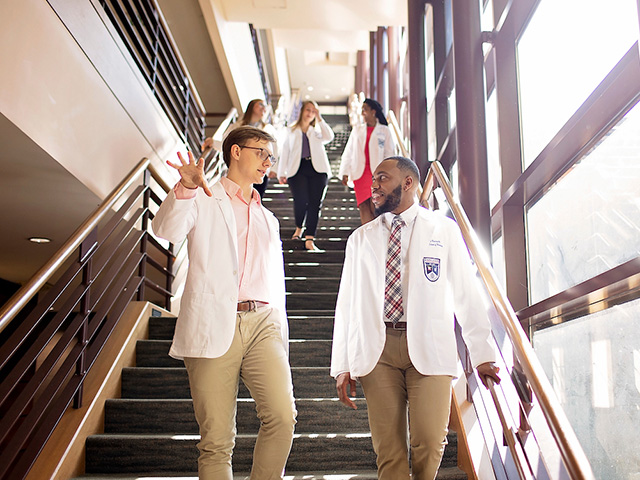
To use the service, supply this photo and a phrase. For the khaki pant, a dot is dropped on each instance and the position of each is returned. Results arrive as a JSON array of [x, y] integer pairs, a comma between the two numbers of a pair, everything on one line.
[[258, 356], [392, 383]]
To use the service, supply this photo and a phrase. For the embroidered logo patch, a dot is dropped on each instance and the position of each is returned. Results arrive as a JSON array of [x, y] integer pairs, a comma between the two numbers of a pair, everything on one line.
[[431, 267]]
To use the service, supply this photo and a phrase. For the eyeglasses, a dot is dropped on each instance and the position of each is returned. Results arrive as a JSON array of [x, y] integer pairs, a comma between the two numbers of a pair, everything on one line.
[[262, 154]]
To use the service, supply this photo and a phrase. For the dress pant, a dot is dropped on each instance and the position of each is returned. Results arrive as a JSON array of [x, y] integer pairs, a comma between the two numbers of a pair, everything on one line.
[[308, 189], [258, 356], [392, 384]]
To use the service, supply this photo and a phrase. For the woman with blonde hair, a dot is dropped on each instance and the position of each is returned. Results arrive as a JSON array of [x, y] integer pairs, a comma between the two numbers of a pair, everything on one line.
[[369, 143], [304, 165], [253, 116]]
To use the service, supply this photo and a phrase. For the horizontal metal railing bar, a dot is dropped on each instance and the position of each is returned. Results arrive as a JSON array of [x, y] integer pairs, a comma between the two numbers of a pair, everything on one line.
[[162, 249], [98, 289], [571, 452], [158, 266], [101, 286], [18, 301], [609, 283], [39, 410], [27, 326], [158, 178], [129, 268], [21, 402], [35, 349], [156, 287], [107, 230], [169, 38], [155, 198]]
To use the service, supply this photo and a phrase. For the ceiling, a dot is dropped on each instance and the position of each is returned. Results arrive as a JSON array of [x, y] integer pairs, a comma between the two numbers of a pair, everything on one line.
[[320, 38]]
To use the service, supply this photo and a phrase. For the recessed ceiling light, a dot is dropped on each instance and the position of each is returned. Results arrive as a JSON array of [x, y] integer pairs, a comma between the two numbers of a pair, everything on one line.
[[310, 88], [307, 97], [39, 239]]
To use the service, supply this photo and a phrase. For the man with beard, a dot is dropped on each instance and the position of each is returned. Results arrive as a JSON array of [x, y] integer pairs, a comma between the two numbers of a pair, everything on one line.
[[405, 275]]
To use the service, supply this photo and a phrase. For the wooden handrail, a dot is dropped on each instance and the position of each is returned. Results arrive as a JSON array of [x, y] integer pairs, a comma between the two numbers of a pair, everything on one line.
[[570, 449], [395, 128], [11, 308]]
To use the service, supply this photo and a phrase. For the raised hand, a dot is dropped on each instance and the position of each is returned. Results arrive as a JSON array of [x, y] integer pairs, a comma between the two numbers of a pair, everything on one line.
[[191, 173]]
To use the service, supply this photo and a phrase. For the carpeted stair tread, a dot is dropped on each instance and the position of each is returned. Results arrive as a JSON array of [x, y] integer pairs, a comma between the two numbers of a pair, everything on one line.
[[302, 300], [110, 453], [153, 416], [302, 324], [303, 353], [308, 382]]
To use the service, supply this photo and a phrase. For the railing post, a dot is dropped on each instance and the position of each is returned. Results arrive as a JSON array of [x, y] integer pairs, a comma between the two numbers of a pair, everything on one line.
[[169, 282], [142, 269], [86, 248]]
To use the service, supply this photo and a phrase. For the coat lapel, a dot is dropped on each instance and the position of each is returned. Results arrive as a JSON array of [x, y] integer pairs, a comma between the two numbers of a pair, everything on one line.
[[222, 199]]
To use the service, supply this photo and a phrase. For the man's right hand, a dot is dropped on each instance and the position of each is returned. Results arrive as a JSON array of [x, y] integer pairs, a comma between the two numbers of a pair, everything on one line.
[[345, 179], [191, 173], [342, 381]]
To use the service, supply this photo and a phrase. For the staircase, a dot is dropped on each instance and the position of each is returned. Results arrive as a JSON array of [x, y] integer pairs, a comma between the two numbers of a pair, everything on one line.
[[151, 429]]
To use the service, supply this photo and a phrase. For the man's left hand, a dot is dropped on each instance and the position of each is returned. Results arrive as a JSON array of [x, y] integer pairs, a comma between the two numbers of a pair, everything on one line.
[[488, 370]]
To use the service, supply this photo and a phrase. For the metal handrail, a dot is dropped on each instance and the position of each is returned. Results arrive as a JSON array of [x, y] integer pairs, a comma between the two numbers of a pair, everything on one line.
[[570, 449], [395, 128], [18, 301]]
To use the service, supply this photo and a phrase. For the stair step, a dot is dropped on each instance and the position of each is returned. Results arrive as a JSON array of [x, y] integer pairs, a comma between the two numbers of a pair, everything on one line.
[[302, 353], [126, 454], [307, 475], [323, 232], [313, 325], [151, 416], [310, 266], [310, 327], [167, 383], [302, 256], [312, 284], [450, 473], [323, 243], [304, 300]]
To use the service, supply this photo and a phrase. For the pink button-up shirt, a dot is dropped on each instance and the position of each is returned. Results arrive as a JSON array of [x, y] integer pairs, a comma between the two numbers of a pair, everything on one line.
[[252, 231]]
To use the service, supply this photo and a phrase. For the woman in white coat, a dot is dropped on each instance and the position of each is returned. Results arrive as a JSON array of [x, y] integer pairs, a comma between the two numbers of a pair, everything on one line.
[[254, 117], [304, 165], [368, 144]]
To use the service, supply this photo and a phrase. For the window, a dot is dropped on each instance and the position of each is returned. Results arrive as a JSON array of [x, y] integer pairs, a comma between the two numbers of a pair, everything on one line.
[[589, 221], [566, 50]]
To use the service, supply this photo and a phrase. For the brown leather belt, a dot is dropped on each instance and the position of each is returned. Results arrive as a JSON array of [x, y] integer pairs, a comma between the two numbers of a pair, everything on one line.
[[306, 158], [250, 305], [397, 326]]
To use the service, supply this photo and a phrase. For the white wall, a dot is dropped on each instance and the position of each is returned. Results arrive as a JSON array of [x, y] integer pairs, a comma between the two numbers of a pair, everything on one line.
[[234, 48], [66, 84]]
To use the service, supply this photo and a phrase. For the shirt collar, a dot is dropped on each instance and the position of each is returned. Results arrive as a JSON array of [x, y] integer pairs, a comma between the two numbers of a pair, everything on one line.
[[233, 190], [409, 216]]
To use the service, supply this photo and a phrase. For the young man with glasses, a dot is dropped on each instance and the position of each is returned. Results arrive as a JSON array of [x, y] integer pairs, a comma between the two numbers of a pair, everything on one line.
[[232, 322]]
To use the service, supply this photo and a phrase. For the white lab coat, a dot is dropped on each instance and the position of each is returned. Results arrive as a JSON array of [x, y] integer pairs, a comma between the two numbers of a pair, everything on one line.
[[381, 146], [429, 306], [291, 150], [207, 319]]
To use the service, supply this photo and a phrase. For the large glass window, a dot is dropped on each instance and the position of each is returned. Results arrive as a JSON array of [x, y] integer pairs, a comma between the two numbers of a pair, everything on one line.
[[567, 49], [589, 221], [593, 364], [493, 150]]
